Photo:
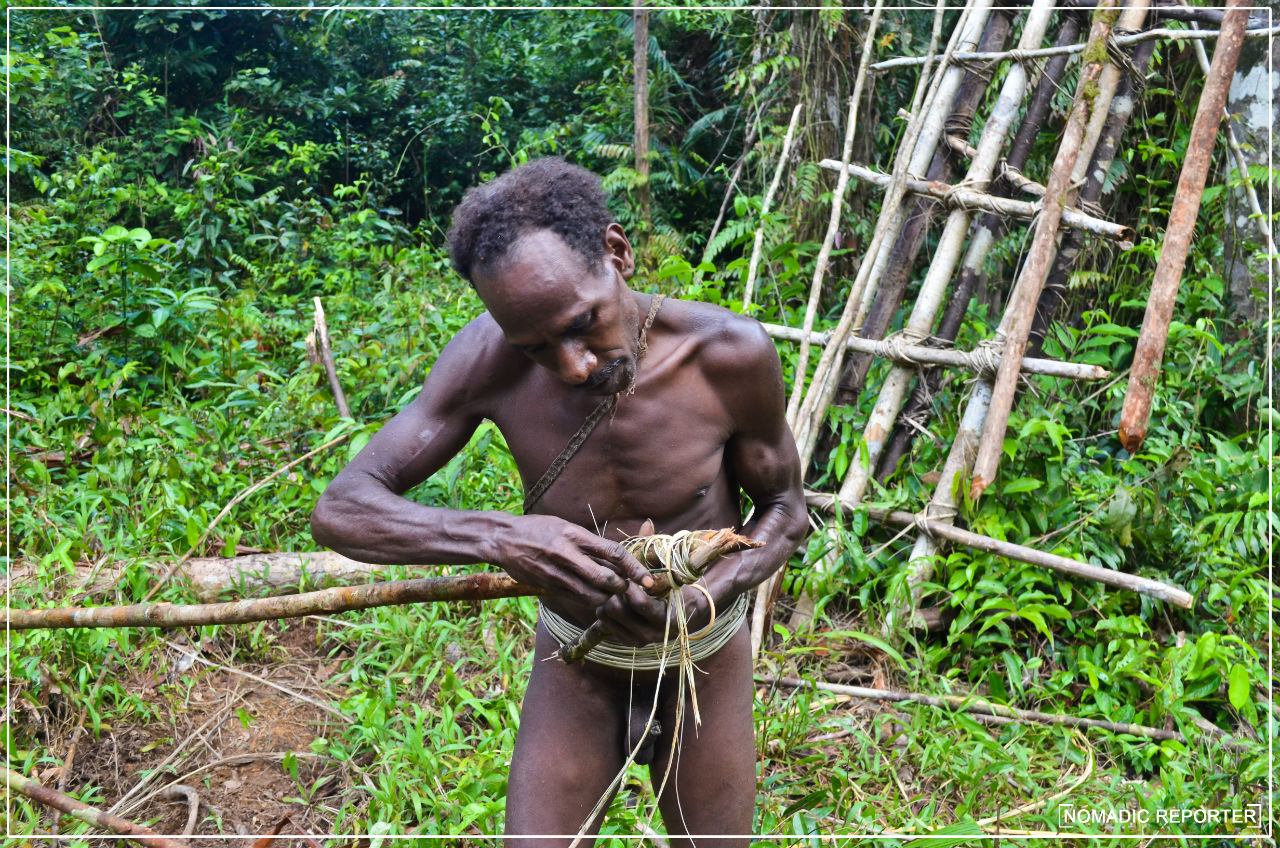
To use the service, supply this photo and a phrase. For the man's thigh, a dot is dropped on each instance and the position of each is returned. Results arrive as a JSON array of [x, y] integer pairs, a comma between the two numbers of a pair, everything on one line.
[[712, 790], [568, 749]]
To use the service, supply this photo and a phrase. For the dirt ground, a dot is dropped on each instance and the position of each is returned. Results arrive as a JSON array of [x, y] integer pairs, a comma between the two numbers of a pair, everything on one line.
[[218, 744]]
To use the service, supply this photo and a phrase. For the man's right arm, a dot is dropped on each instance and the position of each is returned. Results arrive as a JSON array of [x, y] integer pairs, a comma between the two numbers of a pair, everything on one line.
[[363, 514]]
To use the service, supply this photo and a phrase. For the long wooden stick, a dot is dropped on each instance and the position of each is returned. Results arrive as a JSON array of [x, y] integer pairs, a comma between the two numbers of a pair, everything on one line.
[[921, 355], [464, 587], [89, 815], [758, 244], [318, 341], [1021, 553], [974, 705], [959, 197], [1092, 101], [1045, 52], [1149, 352]]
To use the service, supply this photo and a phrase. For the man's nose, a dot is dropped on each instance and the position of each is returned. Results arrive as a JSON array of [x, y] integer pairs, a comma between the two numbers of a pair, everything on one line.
[[576, 362]]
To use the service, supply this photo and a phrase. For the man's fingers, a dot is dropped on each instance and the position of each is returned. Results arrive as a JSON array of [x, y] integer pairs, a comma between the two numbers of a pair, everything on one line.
[[616, 558]]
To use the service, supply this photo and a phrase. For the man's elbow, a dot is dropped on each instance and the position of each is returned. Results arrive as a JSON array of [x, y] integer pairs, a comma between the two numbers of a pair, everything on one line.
[[326, 521]]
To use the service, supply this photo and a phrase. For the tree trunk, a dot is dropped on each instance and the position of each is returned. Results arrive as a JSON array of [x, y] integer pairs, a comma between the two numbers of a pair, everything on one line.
[[644, 197]]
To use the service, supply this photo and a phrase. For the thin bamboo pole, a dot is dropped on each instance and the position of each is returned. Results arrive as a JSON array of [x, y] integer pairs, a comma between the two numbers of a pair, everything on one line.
[[1009, 550], [1046, 52], [833, 222], [947, 254], [975, 705], [919, 355], [758, 244], [962, 197], [42, 794], [318, 344], [1149, 352], [1093, 98]]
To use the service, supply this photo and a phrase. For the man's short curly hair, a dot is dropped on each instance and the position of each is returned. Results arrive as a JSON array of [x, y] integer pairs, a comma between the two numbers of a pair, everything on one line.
[[543, 194]]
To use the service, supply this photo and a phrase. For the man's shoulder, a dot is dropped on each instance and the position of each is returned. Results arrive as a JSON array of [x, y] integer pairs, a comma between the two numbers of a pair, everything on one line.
[[725, 339], [477, 361]]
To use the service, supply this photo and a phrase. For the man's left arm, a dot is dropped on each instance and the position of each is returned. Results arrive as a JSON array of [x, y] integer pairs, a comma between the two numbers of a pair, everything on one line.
[[762, 457]]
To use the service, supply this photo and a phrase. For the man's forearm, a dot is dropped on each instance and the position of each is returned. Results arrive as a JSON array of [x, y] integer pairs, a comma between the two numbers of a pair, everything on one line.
[[382, 527], [781, 527]]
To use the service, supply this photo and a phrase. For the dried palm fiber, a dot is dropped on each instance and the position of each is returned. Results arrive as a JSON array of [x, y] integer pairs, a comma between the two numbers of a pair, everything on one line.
[[1098, 81], [758, 243], [806, 409], [906, 593], [874, 315], [916, 413], [947, 254], [676, 560]]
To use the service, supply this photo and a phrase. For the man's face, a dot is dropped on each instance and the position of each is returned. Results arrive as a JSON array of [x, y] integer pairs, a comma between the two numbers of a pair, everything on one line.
[[576, 322]]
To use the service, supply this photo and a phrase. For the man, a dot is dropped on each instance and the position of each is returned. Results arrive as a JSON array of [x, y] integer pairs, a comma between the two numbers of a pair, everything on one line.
[[687, 404]]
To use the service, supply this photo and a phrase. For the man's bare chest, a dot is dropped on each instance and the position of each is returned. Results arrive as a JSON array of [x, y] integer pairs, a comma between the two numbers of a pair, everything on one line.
[[660, 455]]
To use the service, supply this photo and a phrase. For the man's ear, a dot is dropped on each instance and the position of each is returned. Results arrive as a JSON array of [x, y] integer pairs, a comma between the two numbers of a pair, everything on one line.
[[617, 250]]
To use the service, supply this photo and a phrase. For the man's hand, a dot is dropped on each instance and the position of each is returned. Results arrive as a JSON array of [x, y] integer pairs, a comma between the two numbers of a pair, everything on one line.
[[561, 557], [633, 617]]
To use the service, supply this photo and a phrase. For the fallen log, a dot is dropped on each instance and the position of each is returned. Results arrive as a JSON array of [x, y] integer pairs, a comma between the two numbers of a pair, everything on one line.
[[42, 794], [975, 705], [1010, 550]]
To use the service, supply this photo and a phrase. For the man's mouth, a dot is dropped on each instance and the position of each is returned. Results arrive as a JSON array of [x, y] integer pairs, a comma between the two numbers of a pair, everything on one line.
[[607, 378]]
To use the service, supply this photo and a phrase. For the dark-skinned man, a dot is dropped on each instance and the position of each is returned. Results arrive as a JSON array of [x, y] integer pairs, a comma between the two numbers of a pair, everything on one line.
[[687, 404]]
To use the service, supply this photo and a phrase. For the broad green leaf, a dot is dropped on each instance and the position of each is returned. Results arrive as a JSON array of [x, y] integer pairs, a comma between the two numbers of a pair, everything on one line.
[[1238, 686]]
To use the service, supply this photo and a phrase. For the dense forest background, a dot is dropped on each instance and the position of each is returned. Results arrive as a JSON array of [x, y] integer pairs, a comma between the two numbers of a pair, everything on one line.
[[183, 182]]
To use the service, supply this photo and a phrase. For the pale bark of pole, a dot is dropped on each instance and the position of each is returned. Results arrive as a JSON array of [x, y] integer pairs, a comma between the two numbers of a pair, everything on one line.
[[758, 244], [640, 57], [1091, 97], [959, 197], [1149, 353], [876, 314], [920, 355], [950, 244], [976, 705], [1046, 52], [923, 134], [42, 794], [916, 414], [324, 351], [1020, 553]]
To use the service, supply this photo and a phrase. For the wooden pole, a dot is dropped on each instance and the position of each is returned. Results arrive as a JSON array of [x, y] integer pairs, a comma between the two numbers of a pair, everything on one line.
[[958, 197], [640, 57], [1091, 98], [1045, 52], [974, 705], [1021, 553], [318, 342], [42, 794], [758, 244], [921, 355], [1149, 352]]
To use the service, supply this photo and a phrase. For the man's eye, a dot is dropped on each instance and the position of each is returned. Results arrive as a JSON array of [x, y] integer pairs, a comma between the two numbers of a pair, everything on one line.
[[582, 323], [529, 349]]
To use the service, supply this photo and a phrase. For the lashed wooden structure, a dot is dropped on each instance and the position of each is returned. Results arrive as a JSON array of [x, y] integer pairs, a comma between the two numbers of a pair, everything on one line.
[[1113, 55]]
